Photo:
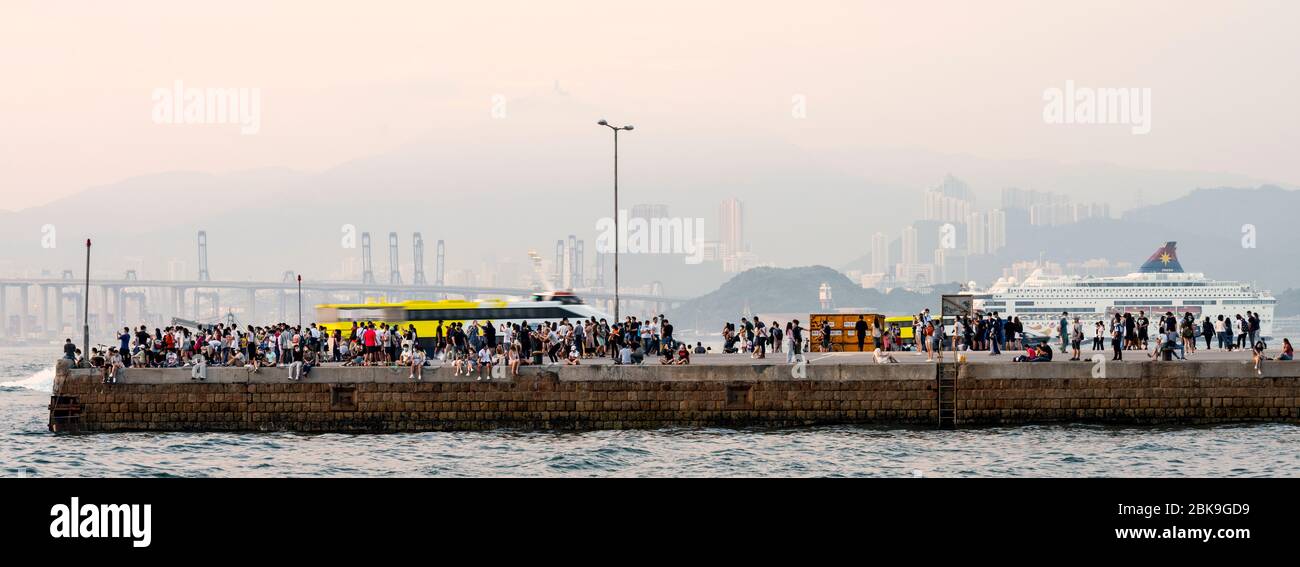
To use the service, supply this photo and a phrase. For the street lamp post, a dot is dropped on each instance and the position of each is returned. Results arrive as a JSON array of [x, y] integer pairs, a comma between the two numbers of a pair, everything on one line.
[[299, 301], [85, 306], [606, 124]]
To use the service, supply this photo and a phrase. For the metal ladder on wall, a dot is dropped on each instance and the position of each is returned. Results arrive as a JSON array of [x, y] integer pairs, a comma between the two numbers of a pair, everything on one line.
[[946, 377], [65, 414]]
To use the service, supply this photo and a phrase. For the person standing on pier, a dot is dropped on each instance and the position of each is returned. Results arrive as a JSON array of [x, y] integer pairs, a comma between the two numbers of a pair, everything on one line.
[[1207, 330], [796, 336], [1076, 339], [1221, 331], [1117, 337], [124, 346], [861, 329], [1063, 327], [1143, 326], [1000, 332], [1253, 320]]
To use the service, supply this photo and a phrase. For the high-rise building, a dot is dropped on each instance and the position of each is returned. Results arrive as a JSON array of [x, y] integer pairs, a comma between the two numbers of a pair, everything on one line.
[[1015, 198], [956, 188], [1051, 209], [997, 230], [879, 253], [731, 235], [916, 275], [986, 232], [951, 201], [731, 227], [977, 231], [909, 245]]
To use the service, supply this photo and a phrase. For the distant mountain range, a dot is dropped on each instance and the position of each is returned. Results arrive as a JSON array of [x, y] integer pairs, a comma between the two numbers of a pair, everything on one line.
[[794, 290], [495, 192]]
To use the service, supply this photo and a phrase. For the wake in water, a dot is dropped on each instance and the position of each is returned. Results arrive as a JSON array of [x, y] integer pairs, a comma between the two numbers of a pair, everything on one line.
[[41, 381]]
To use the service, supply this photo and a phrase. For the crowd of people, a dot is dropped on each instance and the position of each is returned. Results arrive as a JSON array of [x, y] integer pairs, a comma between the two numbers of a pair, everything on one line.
[[1166, 338], [477, 347], [472, 348], [1170, 337], [756, 338]]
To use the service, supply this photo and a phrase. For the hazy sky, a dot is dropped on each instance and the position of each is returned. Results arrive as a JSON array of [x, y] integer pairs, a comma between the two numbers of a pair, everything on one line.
[[341, 81]]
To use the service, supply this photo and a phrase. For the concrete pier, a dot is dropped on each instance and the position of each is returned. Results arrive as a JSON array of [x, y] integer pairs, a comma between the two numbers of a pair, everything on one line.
[[357, 399]]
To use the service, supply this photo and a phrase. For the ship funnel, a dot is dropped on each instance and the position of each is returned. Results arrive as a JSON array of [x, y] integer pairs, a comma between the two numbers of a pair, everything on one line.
[[1163, 261]]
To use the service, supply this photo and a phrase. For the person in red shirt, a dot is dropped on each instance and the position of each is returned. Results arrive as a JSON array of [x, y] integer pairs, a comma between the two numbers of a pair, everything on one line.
[[683, 355], [370, 340]]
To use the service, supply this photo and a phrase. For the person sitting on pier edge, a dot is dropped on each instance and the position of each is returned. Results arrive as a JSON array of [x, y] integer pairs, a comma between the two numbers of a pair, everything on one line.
[[699, 348], [1168, 346], [884, 358], [69, 350], [666, 358], [1044, 353], [1288, 353], [683, 354], [1257, 352], [1041, 354], [308, 361]]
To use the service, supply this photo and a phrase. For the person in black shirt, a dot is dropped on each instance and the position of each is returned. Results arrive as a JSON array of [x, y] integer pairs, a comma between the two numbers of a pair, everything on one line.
[[861, 328], [796, 336], [1142, 324], [69, 350]]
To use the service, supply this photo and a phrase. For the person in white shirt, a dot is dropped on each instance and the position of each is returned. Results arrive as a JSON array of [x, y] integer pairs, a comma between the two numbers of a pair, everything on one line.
[[484, 361], [200, 369], [883, 358], [417, 364]]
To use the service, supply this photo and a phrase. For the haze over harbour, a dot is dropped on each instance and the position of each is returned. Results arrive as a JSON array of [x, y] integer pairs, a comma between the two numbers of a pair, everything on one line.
[[409, 115], [306, 217]]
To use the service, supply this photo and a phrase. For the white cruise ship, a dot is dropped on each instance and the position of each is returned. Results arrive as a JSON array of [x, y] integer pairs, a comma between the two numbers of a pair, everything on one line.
[[1159, 286]]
